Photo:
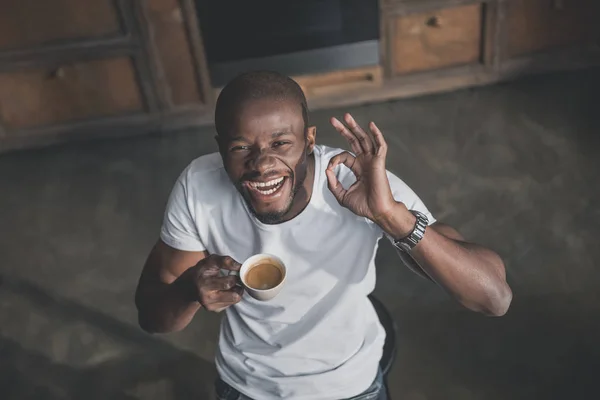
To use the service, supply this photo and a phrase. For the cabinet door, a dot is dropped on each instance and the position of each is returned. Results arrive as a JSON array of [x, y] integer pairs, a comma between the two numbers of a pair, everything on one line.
[[436, 39], [178, 51], [79, 91], [26, 23], [536, 25]]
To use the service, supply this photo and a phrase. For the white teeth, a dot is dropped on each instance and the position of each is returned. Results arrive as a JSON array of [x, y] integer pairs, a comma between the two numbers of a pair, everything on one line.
[[267, 184], [268, 191], [274, 185]]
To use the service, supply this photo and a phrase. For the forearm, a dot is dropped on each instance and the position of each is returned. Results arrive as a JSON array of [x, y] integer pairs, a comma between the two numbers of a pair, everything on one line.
[[472, 274], [164, 308]]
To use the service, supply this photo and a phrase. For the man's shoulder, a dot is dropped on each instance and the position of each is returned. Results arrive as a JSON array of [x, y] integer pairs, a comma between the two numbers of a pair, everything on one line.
[[203, 167], [205, 174], [326, 152], [207, 163]]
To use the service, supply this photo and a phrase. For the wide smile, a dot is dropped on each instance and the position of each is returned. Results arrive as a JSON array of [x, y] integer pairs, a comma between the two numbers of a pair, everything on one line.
[[266, 190]]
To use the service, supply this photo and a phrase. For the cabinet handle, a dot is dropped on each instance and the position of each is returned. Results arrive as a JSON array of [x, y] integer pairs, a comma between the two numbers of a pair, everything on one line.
[[58, 73], [433, 22]]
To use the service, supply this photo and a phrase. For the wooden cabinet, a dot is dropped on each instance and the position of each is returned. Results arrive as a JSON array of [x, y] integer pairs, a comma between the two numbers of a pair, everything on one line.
[[438, 45], [73, 69], [340, 82], [87, 68], [175, 40], [538, 25], [436, 39], [70, 92], [25, 23]]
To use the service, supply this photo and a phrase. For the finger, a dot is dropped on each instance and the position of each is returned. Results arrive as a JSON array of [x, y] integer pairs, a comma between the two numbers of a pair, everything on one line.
[[220, 283], [335, 186], [222, 300], [352, 140], [365, 140], [208, 271], [380, 143], [217, 307], [219, 300], [229, 263], [348, 160], [227, 297]]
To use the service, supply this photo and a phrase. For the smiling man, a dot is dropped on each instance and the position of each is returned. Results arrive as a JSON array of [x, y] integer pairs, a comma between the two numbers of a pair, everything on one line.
[[274, 188], [271, 189]]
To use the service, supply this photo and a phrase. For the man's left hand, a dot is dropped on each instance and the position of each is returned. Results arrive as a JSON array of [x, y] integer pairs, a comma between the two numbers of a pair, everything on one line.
[[370, 196], [472, 274]]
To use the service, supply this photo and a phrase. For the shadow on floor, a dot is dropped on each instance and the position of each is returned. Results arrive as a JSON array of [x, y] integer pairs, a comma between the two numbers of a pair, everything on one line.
[[149, 369]]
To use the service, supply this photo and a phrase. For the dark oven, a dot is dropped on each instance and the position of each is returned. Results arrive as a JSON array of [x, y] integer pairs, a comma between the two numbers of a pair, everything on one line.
[[294, 37]]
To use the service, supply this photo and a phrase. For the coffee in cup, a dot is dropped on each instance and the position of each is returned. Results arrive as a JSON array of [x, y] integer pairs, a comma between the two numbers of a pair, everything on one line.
[[263, 276]]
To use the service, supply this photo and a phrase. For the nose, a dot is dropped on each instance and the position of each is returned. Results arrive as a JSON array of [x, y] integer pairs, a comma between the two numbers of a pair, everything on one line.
[[261, 161]]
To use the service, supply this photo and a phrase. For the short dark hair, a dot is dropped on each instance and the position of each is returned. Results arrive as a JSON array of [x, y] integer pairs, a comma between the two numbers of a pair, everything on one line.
[[256, 85]]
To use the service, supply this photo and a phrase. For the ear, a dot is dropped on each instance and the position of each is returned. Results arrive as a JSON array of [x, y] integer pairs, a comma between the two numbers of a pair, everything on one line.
[[311, 136]]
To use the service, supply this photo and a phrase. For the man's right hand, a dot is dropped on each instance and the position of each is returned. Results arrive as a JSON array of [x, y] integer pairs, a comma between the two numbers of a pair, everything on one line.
[[170, 292], [212, 290]]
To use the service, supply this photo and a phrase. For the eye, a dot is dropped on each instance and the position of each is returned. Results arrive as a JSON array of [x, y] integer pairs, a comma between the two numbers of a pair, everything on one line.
[[240, 148], [280, 143]]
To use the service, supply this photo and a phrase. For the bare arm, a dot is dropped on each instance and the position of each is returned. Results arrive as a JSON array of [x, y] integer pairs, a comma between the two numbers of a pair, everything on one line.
[[174, 284], [164, 303], [471, 273], [410, 262]]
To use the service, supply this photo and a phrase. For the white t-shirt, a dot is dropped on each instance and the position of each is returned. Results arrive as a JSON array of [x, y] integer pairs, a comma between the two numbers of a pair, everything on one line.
[[320, 338]]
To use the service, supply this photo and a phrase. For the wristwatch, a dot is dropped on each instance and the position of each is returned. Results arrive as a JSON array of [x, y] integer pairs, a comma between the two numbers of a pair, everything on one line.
[[409, 242]]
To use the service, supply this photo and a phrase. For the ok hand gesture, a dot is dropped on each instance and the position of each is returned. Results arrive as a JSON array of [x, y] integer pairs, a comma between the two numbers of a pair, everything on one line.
[[370, 196]]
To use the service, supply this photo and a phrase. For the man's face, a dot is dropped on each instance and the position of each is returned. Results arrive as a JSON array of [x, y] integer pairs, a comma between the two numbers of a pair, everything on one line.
[[266, 155]]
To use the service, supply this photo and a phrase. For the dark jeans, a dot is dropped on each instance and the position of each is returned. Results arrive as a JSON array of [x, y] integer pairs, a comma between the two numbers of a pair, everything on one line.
[[375, 392]]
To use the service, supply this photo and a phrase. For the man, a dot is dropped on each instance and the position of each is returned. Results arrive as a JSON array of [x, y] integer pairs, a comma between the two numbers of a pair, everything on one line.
[[271, 189]]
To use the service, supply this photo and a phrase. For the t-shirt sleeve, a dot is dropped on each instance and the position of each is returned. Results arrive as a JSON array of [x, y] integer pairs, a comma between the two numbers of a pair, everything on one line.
[[402, 192], [178, 228]]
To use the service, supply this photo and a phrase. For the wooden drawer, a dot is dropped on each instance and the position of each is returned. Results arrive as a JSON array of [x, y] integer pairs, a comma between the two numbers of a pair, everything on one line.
[[68, 93], [339, 82], [535, 25], [436, 39], [25, 23]]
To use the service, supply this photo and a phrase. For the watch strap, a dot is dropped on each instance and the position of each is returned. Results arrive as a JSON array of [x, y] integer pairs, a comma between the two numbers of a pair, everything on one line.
[[409, 242]]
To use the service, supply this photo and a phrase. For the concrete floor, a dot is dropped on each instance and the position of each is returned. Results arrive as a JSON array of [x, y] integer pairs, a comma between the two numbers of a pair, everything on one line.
[[514, 167]]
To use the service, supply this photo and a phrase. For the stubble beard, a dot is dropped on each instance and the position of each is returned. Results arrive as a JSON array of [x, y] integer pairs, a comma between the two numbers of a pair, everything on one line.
[[276, 217]]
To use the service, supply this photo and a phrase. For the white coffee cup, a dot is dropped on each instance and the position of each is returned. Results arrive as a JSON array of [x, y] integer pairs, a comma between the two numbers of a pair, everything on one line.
[[262, 294]]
